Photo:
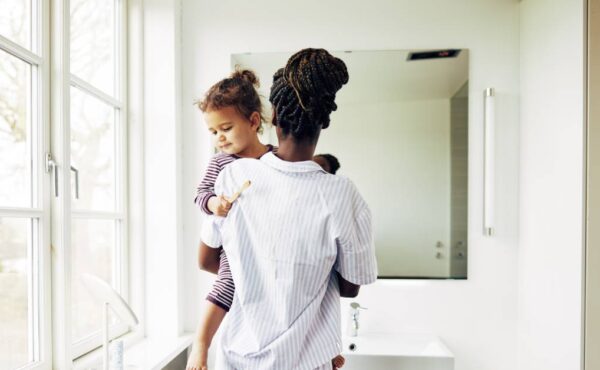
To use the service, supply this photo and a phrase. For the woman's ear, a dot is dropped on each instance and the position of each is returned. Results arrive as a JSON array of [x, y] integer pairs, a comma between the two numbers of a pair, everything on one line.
[[255, 120]]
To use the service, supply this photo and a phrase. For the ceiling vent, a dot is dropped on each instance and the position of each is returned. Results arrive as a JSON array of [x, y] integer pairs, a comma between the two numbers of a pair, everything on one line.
[[433, 54]]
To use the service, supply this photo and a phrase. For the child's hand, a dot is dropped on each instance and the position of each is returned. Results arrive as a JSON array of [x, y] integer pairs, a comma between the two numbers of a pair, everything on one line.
[[223, 206], [219, 206]]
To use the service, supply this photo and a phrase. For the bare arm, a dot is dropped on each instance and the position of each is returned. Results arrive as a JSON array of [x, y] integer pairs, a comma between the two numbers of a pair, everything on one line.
[[347, 289], [208, 258]]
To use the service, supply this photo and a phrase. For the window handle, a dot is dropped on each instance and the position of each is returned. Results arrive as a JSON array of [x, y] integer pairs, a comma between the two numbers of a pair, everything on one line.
[[52, 167], [76, 171]]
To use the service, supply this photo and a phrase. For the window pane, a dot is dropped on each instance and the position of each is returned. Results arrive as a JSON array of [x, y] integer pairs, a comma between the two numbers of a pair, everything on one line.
[[15, 113], [93, 152], [15, 21], [14, 302], [93, 42], [93, 242]]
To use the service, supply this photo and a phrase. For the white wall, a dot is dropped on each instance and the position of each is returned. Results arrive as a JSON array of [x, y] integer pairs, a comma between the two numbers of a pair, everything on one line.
[[551, 202], [477, 317], [398, 155], [162, 168]]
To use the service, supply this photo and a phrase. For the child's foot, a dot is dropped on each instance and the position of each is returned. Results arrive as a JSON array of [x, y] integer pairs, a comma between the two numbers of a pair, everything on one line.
[[197, 359], [338, 361]]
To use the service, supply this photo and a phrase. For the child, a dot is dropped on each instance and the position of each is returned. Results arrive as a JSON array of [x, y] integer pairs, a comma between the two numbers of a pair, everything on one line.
[[328, 162], [233, 113]]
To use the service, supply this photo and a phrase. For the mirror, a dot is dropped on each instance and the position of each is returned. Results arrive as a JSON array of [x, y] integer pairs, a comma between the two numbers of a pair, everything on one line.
[[401, 135]]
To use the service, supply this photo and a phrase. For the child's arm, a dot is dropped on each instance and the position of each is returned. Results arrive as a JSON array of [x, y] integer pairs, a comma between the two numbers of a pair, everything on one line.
[[206, 198]]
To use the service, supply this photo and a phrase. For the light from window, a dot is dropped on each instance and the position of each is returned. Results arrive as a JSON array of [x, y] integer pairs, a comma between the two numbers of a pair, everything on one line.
[[93, 152], [15, 21], [93, 243], [15, 111], [14, 301], [93, 42]]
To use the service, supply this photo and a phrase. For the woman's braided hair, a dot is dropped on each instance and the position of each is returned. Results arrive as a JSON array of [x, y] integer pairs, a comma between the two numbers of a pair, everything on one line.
[[239, 91], [303, 93]]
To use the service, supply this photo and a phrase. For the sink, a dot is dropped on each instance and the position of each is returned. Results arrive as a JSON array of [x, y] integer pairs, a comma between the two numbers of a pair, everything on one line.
[[378, 351]]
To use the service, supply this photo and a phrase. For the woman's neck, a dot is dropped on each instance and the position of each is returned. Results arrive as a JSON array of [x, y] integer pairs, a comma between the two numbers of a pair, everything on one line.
[[254, 150], [292, 151]]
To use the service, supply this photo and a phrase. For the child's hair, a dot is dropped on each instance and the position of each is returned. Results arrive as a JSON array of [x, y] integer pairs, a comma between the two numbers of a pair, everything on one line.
[[238, 91], [333, 162], [303, 93]]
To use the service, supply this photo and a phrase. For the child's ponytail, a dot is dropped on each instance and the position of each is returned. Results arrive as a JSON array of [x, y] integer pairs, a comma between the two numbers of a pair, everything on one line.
[[245, 75], [238, 91]]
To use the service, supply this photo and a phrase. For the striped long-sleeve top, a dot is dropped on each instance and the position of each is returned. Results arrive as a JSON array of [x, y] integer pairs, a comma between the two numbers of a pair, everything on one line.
[[223, 289], [285, 237]]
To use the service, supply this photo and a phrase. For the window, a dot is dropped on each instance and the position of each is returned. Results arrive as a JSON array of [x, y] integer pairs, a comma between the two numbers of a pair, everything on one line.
[[97, 159], [89, 140], [23, 219]]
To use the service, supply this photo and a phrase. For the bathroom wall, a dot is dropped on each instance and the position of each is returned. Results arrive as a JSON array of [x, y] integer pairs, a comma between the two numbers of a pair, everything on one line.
[[459, 179], [592, 283], [397, 154], [477, 318], [551, 177]]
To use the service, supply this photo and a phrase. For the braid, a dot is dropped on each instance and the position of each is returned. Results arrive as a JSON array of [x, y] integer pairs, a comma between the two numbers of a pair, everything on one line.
[[303, 93]]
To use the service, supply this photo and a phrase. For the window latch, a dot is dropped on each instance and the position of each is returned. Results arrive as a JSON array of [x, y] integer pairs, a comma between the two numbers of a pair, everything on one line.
[[52, 167]]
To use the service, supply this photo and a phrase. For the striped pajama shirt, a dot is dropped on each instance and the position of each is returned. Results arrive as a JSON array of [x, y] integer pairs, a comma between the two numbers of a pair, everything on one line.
[[285, 237]]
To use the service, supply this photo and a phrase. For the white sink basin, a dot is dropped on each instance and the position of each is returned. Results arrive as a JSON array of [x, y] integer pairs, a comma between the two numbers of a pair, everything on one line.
[[396, 352]]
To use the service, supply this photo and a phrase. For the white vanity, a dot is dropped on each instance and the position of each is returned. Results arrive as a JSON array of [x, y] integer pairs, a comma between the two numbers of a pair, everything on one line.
[[378, 351]]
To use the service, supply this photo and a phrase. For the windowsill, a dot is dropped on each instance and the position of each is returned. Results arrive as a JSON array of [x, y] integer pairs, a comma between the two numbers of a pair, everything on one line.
[[144, 354], [152, 354]]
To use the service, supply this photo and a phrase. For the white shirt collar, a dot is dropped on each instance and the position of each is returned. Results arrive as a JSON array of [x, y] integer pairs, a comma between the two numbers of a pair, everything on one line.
[[279, 164]]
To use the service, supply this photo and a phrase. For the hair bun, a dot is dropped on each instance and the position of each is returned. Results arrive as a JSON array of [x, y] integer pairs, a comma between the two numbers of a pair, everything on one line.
[[303, 93], [246, 75], [316, 73]]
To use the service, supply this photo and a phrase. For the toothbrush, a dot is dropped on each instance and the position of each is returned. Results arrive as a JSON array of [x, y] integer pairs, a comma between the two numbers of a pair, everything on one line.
[[237, 194]]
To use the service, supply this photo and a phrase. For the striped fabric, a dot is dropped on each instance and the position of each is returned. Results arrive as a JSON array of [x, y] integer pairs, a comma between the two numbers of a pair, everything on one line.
[[284, 238], [206, 188], [223, 288]]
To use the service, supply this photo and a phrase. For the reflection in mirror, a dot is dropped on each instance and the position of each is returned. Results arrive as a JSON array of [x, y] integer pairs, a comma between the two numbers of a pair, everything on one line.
[[401, 135]]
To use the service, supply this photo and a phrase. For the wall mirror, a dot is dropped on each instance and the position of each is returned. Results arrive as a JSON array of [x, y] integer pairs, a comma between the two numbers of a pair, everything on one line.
[[401, 134]]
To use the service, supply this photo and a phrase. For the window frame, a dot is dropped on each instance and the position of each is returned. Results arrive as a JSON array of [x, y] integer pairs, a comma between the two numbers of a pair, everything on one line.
[[49, 245], [118, 102], [38, 212]]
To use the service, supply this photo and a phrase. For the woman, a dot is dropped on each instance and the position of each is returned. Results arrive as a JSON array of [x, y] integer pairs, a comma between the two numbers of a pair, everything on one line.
[[296, 239]]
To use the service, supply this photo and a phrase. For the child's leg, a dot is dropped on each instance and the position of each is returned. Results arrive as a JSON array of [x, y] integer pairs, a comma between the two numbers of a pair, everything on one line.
[[223, 289], [221, 297], [213, 316]]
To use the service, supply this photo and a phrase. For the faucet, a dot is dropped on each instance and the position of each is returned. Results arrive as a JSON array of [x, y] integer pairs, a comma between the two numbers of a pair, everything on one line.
[[353, 318]]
